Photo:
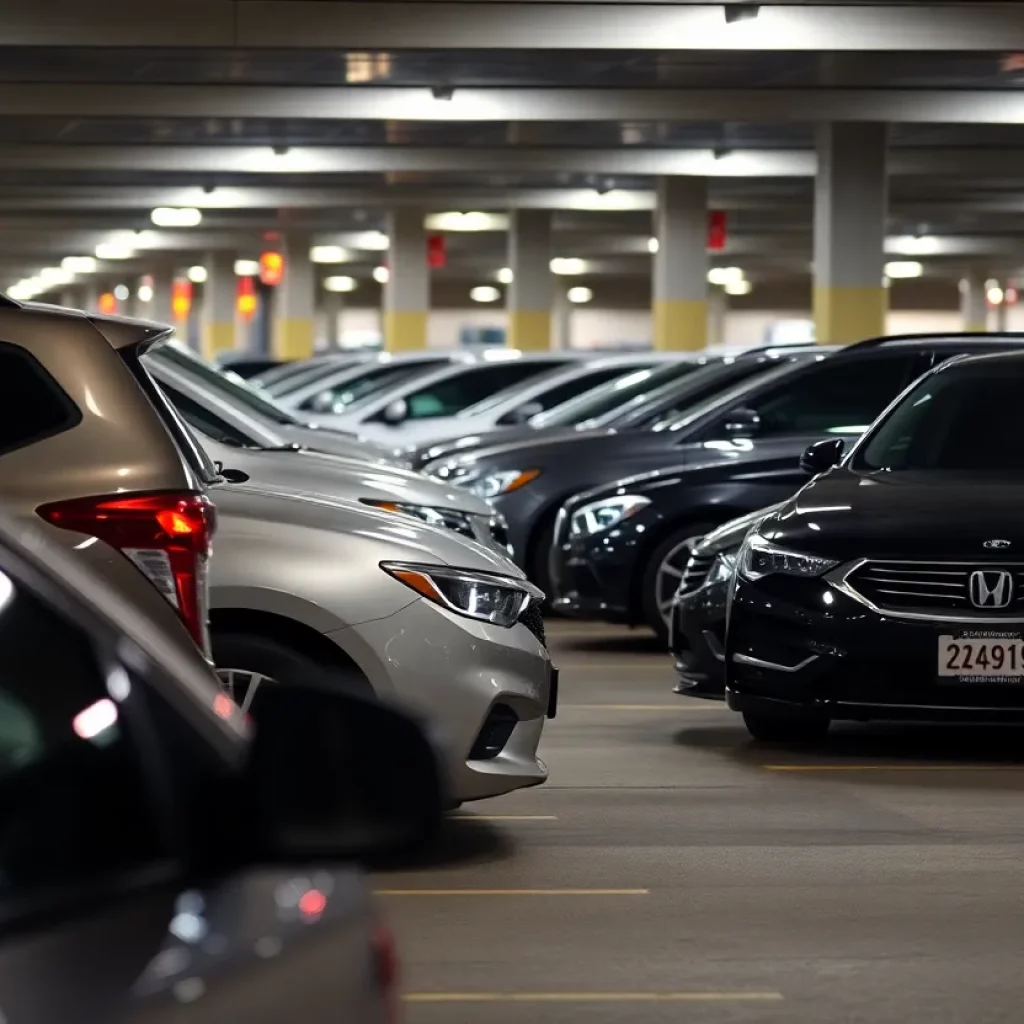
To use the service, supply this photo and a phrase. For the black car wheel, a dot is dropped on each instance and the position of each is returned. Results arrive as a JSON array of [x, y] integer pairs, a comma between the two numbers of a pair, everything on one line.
[[663, 573], [785, 727]]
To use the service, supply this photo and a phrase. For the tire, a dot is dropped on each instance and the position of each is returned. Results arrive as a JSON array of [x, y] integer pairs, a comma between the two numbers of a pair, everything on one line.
[[662, 574], [539, 571], [783, 727], [254, 661]]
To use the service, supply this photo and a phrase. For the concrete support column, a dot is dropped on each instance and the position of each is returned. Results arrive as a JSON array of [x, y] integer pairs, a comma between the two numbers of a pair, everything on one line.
[[973, 302], [718, 308], [294, 329], [531, 294], [332, 304], [562, 336], [681, 264], [407, 292], [1002, 310], [160, 308], [850, 205], [217, 332]]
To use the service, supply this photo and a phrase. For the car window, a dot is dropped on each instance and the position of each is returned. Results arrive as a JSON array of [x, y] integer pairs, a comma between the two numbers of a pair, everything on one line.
[[453, 394], [32, 404], [205, 420], [558, 394], [74, 806], [837, 396], [966, 419], [338, 397]]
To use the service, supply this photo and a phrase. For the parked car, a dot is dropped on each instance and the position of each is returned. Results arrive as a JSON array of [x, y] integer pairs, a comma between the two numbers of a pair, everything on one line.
[[278, 378], [530, 481], [697, 625], [249, 411], [627, 568], [245, 364], [389, 606], [143, 820], [889, 587]]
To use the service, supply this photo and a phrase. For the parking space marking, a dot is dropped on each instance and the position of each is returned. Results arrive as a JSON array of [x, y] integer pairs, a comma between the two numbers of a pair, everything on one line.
[[893, 767], [593, 997], [512, 892], [503, 817]]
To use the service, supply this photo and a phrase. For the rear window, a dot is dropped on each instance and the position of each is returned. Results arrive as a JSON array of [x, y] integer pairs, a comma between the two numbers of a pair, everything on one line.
[[32, 404]]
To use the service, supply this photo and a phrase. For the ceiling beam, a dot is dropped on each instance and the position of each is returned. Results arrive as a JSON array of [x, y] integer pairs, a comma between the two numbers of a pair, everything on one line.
[[596, 104], [419, 25]]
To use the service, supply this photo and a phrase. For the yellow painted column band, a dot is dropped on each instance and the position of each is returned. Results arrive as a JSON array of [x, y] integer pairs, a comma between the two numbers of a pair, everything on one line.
[[293, 338], [976, 328], [845, 315], [529, 329], [680, 325], [405, 330], [218, 336]]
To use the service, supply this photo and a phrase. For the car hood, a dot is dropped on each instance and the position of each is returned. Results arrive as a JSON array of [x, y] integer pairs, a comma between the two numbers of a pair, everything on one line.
[[729, 536], [446, 447], [905, 515], [333, 476], [335, 442], [411, 539], [541, 445]]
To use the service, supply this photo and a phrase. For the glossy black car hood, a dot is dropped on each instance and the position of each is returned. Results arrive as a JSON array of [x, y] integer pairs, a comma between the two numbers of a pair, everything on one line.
[[846, 515]]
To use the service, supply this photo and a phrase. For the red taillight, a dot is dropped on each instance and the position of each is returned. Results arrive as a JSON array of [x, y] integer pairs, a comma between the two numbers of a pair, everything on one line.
[[167, 536], [385, 958]]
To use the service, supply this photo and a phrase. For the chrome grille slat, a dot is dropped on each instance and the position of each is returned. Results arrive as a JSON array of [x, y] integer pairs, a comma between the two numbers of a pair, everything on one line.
[[896, 582], [926, 595], [695, 573]]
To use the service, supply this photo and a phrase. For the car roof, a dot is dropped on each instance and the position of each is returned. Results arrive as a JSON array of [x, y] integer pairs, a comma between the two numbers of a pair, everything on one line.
[[949, 339]]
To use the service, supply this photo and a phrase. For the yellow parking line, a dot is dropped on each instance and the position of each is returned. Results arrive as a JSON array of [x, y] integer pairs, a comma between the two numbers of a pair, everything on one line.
[[893, 767], [503, 817], [512, 892], [643, 707], [593, 997]]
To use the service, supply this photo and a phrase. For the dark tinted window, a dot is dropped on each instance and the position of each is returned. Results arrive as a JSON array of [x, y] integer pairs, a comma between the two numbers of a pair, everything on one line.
[[204, 420], [453, 394], [837, 396], [967, 419], [337, 397], [569, 389], [32, 405], [74, 806]]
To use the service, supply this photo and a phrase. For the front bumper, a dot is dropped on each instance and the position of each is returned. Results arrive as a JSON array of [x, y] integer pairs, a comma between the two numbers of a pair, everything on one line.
[[806, 645], [697, 641], [479, 685]]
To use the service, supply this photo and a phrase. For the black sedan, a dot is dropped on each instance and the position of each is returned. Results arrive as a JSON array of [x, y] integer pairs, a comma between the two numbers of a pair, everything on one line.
[[892, 585]]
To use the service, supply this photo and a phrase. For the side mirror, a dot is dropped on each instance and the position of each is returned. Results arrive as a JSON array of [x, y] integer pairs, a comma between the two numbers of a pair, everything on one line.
[[395, 412], [742, 423], [323, 402], [334, 776], [822, 455]]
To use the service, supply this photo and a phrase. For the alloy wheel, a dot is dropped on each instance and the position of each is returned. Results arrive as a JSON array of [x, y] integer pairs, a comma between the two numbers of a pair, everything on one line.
[[666, 581], [242, 684]]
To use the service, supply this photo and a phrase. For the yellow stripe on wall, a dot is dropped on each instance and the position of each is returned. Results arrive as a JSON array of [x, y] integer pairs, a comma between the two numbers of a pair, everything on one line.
[[293, 338], [845, 315], [218, 336], [405, 330], [680, 325], [529, 329]]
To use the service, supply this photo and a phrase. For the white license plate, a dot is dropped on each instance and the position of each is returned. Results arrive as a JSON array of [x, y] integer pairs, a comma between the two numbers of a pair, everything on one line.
[[973, 658]]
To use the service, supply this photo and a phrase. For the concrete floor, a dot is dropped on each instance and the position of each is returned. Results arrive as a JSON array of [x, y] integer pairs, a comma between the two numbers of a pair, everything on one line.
[[674, 870]]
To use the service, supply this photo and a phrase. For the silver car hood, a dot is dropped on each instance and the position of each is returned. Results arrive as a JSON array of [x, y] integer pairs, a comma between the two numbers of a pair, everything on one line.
[[389, 536], [334, 442], [318, 474]]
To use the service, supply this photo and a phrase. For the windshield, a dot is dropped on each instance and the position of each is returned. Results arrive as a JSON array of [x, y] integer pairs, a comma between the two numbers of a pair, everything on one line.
[[361, 387], [967, 418], [236, 390], [608, 397]]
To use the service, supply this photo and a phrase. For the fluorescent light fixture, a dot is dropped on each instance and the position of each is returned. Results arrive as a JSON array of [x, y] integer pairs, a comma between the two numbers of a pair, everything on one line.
[[79, 264], [995, 296], [56, 275], [381, 275], [145, 293], [652, 245], [913, 245], [114, 251], [579, 295], [903, 268], [735, 12], [738, 287], [176, 217], [724, 275], [568, 265], [376, 241], [484, 293], [505, 275], [198, 275], [340, 284], [329, 254], [247, 268], [122, 293], [474, 220]]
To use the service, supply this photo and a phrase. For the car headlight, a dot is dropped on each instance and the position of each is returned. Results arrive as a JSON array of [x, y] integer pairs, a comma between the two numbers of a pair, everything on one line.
[[495, 484], [723, 566], [604, 514], [760, 557], [488, 597], [450, 518]]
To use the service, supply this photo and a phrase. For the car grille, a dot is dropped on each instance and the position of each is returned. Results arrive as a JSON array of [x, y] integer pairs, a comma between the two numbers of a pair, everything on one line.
[[925, 587], [695, 573], [534, 622]]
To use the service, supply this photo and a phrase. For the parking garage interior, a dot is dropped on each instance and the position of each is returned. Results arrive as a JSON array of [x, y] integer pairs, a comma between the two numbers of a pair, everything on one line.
[[291, 179]]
